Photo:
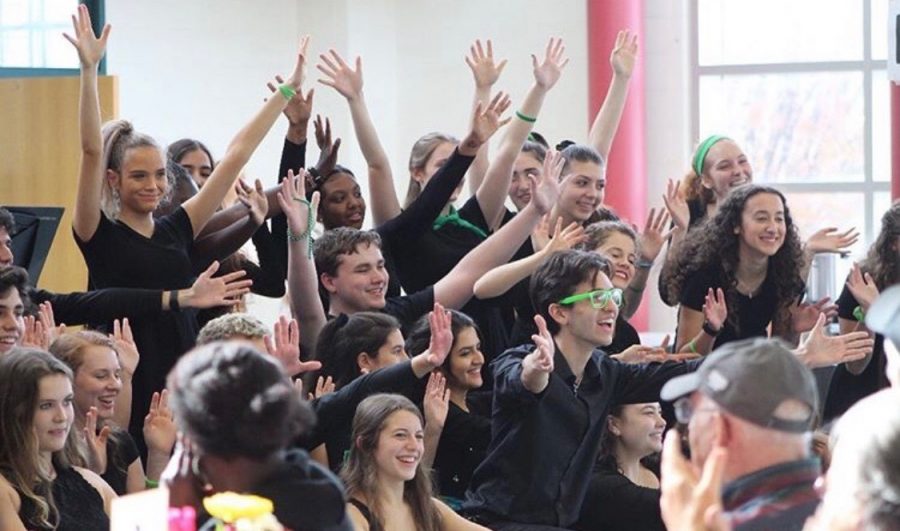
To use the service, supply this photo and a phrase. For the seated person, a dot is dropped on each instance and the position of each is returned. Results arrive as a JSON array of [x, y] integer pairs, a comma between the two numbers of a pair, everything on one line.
[[240, 427], [387, 486], [38, 487]]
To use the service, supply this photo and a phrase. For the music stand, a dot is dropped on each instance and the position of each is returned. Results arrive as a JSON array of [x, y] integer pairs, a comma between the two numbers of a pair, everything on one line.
[[35, 230]]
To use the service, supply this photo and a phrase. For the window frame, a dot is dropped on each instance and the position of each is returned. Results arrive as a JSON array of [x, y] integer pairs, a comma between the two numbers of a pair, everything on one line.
[[97, 9]]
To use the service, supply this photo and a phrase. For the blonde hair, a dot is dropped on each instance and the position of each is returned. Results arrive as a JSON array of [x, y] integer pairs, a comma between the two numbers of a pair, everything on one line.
[[418, 158]]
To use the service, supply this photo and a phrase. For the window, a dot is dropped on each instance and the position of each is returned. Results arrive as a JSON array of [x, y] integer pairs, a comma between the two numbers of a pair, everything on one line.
[[31, 42], [802, 87]]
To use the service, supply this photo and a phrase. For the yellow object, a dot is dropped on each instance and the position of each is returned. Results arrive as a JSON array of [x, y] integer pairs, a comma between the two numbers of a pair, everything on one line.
[[230, 506]]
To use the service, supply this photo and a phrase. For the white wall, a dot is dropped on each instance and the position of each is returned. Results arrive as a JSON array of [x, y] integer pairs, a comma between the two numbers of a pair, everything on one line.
[[199, 69]]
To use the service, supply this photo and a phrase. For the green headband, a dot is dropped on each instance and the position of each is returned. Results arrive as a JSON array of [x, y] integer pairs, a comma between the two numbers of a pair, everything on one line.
[[703, 149]]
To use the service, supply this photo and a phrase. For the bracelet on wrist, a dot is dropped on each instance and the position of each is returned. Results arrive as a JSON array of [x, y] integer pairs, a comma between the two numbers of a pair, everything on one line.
[[150, 484], [525, 117], [287, 91], [310, 221], [173, 300], [709, 330], [859, 314]]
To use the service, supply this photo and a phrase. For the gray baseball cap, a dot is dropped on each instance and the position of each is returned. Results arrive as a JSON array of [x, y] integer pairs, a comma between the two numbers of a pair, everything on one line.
[[883, 316], [750, 379]]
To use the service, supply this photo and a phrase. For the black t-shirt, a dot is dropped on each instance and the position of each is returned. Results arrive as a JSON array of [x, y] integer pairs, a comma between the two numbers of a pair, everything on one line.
[[122, 452], [409, 308], [117, 256], [464, 441], [614, 503], [754, 313], [624, 336], [847, 388]]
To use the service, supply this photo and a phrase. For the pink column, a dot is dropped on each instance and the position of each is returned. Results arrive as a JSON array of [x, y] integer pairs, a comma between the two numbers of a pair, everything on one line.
[[626, 174]]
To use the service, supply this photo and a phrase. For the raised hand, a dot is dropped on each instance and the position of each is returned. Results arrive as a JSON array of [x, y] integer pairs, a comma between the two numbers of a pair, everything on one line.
[[48, 320], [292, 199], [441, 335], [485, 122], [484, 70], [829, 240], [655, 234], [540, 360], [254, 198], [347, 81], [328, 150], [129, 357], [295, 80], [822, 350], [436, 403], [624, 53], [209, 291], [715, 311], [299, 108], [690, 500], [862, 287], [805, 315], [96, 442], [286, 347], [676, 205], [35, 334], [545, 190], [159, 425], [640, 354], [324, 386], [564, 239], [547, 72], [90, 48]]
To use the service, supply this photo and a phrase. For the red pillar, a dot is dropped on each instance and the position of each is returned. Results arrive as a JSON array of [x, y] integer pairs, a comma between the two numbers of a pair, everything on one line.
[[626, 175], [895, 140]]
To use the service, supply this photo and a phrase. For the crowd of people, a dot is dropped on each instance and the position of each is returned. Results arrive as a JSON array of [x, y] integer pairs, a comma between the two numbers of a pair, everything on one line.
[[450, 368]]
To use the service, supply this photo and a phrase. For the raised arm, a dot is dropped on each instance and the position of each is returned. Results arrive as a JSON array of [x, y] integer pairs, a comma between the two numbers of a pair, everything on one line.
[[492, 192], [650, 243], [486, 73], [202, 206], [349, 83], [303, 287], [456, 288], [622, 59], [86, 215], [827, 240], [501, 279], [537, 366]]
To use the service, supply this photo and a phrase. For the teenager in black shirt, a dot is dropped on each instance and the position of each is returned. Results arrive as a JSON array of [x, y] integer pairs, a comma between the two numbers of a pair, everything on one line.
[[551, 400]]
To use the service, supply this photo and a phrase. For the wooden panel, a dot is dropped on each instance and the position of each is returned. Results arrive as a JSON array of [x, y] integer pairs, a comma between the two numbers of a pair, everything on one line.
[[40, 153]]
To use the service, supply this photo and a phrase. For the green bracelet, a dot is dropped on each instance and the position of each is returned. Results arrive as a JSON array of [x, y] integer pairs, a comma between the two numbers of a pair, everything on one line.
[[150, 484], [692, 347], [287, 91], [311, 220], [859, 314], [525, 117]]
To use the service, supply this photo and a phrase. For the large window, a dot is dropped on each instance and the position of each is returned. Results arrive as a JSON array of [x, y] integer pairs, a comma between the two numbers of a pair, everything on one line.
[[31, 41], [802, 87]]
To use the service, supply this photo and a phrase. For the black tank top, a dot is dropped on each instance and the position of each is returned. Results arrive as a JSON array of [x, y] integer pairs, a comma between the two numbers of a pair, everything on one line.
[[78, 502], [367, 514]]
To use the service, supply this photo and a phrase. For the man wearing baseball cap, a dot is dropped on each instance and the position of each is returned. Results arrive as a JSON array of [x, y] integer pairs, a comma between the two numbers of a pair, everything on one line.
[[756, 400], [883, 318]]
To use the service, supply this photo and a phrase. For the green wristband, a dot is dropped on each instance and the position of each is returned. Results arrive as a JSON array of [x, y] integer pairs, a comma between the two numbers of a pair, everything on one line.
[[859, 314], [287, 91], [150, 484], [525, 117]]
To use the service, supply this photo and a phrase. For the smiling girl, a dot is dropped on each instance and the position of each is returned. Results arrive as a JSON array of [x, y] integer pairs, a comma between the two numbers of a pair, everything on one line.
[[38, 487], [387, 487]]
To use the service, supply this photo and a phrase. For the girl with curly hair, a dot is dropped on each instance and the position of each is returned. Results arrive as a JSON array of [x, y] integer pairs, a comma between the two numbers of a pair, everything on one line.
[[878, 271], [739, 273]]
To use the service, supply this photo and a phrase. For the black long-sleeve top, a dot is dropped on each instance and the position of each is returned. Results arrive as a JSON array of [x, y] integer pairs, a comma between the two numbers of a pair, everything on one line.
[[100, 306], [544, 446]]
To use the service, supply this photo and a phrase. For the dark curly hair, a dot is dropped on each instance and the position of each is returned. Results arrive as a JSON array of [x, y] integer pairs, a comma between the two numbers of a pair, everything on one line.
[[716, 243], [883, 258]]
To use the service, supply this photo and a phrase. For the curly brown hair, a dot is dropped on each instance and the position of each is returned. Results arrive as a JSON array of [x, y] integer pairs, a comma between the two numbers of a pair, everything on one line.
[[716, 244], [883, 258]]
